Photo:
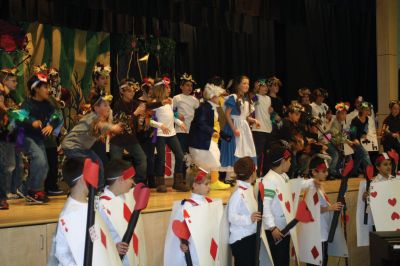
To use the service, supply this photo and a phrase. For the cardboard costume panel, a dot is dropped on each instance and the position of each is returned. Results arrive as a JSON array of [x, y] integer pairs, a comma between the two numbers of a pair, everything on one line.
[[363, 229], [119, 211], [385, 205], [310, 249], [104, 249]]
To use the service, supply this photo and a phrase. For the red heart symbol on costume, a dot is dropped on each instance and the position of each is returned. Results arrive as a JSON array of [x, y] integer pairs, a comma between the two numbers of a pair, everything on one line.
[[395, 216], [374, 194], [287, 205], [180, 229], [280, 197], [392, 201]]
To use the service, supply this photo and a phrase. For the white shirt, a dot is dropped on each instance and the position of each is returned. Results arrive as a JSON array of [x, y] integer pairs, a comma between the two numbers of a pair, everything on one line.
[[165, 116], [239, 215], [272, 212], [326, 217], [66, 252], [262, 106], [185, 105], [320, 111]]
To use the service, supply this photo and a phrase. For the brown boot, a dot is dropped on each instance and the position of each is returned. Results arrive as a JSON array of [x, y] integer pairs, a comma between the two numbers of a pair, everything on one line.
[[160, 184], [179, 183]]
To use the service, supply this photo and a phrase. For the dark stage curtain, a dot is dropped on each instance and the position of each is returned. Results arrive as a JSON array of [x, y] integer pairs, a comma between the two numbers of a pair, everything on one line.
[[315, 43]]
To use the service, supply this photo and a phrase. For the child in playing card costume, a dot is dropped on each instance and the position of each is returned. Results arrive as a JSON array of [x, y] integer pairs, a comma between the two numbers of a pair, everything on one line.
[[318, 170], [204, 136], [383, 165], [242, 221], [118, 174], [69, 243], [278, 203], [202, 216]]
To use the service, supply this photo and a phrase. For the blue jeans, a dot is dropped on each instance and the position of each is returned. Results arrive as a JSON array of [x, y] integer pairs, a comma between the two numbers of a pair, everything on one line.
[[7, 166], [361, 158], [75, 153], [38, 166], [138, 155], [333, 152], [173, 143]]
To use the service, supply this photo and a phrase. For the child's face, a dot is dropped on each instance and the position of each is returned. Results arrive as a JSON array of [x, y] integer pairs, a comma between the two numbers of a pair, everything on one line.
[[101, 81], [263, 90], [203, 188], [244, 85], [125, 184], [11, 83], [274, 88], [286, 164], [395, 110], [42, 93], [385, 168], [127, 94], [215, 100], [320, 99], [341, 116], [305, 99], [103, 109], [320, 175], [187, 88], [294, 117], [365, 112]]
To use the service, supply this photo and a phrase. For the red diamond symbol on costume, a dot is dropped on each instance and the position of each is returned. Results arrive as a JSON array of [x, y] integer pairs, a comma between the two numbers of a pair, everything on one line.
[[314, 252], [213, 249], [135, 244], [127, 213], [103, 238], [315, 198]]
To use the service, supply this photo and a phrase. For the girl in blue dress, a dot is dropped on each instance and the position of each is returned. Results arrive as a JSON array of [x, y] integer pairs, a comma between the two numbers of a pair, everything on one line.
[[238, 109]]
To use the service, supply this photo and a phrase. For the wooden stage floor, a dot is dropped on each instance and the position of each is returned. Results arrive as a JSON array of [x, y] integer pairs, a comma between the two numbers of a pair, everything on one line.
[[22, 214]]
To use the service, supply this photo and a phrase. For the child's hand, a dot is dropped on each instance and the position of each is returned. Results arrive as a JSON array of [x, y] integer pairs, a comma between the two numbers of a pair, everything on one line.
[[276, 234], [117, 128], [164, 129], [365, 195], [215, 135], [184, 247], [47, 130], [336, 206], [257, 123], [122, 248], [183, 127], [255, 217], [37, 124], [236, 132], [181, 117]]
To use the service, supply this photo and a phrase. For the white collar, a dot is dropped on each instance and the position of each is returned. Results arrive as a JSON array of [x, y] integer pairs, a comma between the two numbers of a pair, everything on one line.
[[197, 197], [108, 192], [244, 184]]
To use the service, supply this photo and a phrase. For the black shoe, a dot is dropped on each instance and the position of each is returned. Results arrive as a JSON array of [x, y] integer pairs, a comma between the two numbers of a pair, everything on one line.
[[55, 192]]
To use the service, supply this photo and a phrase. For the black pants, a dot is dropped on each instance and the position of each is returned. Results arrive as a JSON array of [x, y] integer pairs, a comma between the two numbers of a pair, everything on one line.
[[52, 175], [324, 254], [243, 251], [280, 252], [262, 141]]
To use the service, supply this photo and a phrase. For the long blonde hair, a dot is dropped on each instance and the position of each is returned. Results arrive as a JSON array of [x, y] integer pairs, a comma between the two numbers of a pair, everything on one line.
[[159, 91]]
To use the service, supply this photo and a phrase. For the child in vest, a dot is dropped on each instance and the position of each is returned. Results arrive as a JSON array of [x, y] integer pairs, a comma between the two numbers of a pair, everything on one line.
[[71, 229], [276, 182], [118, 174], [243, 222], [204, 136], [318, 170]]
